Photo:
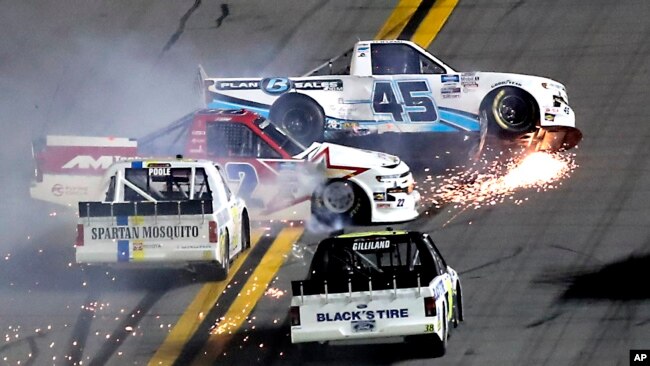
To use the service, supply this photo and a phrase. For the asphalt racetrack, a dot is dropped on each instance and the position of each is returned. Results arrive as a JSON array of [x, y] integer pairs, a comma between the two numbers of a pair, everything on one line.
[[552, 276]]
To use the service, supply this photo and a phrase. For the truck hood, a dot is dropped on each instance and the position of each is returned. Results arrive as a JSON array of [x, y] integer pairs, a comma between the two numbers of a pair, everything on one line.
[[345, 156]]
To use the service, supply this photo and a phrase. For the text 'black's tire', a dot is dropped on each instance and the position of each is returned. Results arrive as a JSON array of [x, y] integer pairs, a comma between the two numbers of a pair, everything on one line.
[[511, 112], [300, 116]]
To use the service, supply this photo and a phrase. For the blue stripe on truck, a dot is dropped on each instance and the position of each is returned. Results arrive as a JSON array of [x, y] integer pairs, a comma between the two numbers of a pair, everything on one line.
[[123, 250]]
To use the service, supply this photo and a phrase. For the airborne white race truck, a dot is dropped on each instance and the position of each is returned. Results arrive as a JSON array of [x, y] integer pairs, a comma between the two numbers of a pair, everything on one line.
[[164, 212]]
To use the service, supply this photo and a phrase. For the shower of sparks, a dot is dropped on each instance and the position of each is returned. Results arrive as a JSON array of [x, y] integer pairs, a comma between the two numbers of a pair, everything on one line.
[[274, 292], [476, 188]]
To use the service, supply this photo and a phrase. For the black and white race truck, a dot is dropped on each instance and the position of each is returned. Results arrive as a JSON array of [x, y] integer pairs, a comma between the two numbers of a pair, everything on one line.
[[377, 287], [171, 213]]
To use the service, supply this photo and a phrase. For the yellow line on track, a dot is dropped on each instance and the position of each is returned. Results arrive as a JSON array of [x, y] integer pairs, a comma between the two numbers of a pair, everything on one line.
[[398, 19], [203, 302], [249, 296], [433, 22]]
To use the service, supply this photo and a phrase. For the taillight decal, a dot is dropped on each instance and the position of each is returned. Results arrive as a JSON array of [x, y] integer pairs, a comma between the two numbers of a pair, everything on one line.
[[430, 306], [79, 242], [294, 314], [213, 232]]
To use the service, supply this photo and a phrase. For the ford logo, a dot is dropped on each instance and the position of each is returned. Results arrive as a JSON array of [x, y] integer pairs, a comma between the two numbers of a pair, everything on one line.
[[362, 306], [276, 86]]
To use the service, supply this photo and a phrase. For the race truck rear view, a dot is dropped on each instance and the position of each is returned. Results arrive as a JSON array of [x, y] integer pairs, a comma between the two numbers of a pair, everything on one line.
[[168, 212], [376, 288]]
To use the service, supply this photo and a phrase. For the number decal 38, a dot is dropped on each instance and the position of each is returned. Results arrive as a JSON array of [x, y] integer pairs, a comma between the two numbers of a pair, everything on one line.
[[409, 100]]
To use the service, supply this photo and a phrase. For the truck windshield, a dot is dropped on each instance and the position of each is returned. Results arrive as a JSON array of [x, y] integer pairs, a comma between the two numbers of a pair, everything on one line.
[[288, 144]]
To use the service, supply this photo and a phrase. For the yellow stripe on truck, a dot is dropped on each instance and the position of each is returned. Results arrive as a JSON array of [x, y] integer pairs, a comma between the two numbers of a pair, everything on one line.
[[427, 31], [249, 295], [398, 19], [204, 301]]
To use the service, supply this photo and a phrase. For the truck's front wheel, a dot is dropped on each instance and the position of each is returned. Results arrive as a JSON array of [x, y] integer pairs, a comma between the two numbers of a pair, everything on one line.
[[340, 202], [300, 116]]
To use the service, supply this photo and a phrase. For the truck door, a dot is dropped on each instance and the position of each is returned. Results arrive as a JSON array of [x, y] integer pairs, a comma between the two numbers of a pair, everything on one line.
[[405, 88]]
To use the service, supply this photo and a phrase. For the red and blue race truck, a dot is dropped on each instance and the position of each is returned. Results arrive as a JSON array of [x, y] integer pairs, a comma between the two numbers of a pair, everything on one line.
[[276, 176]]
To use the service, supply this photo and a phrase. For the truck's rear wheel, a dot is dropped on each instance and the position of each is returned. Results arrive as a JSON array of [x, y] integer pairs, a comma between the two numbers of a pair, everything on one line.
[[300, 116], [222, 273], [245, 232]]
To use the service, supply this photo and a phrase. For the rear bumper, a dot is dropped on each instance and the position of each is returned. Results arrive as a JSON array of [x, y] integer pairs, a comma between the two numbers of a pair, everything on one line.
[[404, 208], [343, 333]]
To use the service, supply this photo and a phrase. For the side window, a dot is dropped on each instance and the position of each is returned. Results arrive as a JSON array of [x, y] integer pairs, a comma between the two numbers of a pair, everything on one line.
[[394, 59], [428, 66], [139, 178], [441, 266], [236, 140], [110, 192], [223, 182], [201, 186], [398, 59]]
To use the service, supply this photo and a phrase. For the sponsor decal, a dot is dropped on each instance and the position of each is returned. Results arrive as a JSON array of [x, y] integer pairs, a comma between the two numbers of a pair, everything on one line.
[[193, 246], [198, 133], [89, 162], [160, 171], [238, 85], [359, 326], [449, 90], [450, 78], [60, 190], [360, 315], [505, 82], [439, 290], [327, 85], [547, 85], [450, 96], [275, 86], [379, 196], [469, 81], [371, 245], [383, 205], [549, 117], [144, 232]]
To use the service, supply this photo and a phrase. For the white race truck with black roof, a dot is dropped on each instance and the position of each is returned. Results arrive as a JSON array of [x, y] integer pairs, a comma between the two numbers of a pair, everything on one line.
[[377, 287], [174, 212]]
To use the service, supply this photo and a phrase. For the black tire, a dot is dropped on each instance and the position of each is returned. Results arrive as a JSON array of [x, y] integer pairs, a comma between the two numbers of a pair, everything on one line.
[[511, 112], [245, 232], [311, 351], [440, 345], [353, 207], [455, 319], [300, 116], [224, 268]]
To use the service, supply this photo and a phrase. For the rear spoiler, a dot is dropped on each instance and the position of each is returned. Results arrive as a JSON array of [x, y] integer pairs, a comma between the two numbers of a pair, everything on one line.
[[145, 208], [356, 283]]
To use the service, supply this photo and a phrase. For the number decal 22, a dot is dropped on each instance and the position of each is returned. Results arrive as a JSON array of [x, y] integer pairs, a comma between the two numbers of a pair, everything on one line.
[[404, 100]]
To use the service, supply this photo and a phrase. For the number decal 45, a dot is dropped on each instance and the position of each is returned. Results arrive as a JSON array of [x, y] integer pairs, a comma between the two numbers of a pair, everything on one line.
[[405, 101]]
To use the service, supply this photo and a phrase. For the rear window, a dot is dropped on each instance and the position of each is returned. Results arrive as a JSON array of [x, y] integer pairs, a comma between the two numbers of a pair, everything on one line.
[[371, 256], [166, 184]]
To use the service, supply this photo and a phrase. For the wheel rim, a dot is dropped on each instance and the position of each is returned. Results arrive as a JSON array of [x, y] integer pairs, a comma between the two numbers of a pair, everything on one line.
[[338, 197], [512, 111], [296, 122]]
